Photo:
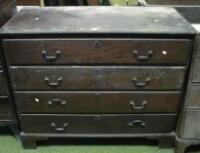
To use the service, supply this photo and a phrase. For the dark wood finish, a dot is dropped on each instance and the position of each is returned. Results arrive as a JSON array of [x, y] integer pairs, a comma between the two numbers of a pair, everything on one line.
[[84, 20], [166, 142], [97, 78], [28, 2], [3, 83], [5, 111], [29, 142], [91, 60], [97, 102], [94, 124], [97, 51]]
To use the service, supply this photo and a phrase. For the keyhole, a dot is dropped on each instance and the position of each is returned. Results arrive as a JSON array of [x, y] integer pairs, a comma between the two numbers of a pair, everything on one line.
[[97, 44]]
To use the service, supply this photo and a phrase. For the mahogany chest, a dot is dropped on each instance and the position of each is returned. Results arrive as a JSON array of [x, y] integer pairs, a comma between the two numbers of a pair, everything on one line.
[[97, 71]]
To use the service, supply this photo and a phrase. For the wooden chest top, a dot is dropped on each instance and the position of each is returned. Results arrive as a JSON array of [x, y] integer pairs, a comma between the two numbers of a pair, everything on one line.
[[98, 20]]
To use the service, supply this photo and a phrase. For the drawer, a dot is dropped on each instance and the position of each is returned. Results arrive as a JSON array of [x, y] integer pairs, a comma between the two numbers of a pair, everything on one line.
[[97, 102], [191, 128], [193, 96], [5, 111], [96, 78], [97, 51], [98, 124], [3, 83], [196, 70]]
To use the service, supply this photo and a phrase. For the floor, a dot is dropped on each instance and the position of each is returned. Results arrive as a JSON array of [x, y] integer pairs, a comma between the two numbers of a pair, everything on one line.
[[9, 144]]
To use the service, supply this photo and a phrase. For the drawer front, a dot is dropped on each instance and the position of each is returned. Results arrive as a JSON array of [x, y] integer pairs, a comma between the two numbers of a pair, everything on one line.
[[98, 124], [5, 112], [192, 125], [97, 78], [97, 102], [196, 70], [3, 84], [193, 97], [105, 51]]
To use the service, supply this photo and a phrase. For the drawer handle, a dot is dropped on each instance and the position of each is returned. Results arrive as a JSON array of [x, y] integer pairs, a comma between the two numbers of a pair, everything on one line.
[[56, 102], [139, 83], [51, 58], [59, 129], [143, 57], [53, 84], [142, 106], [137, 123]]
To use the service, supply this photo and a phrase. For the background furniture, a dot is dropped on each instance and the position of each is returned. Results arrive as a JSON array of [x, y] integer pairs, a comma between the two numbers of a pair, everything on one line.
[[7, 116], [190, 9], [63, 2], [188, 130], [104, 76], [172, 2]]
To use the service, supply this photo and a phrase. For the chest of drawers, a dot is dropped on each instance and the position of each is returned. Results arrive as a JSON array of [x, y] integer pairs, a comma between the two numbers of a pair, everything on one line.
[[97, 73]]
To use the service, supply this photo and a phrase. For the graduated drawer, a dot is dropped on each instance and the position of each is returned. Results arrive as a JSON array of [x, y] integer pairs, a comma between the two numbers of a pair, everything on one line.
[[3, 84], [4, 108], [97, 102], [96, 78], [97, 51], [98, 124]]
